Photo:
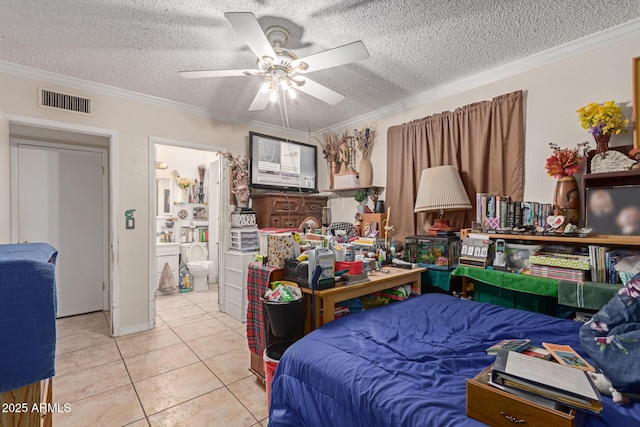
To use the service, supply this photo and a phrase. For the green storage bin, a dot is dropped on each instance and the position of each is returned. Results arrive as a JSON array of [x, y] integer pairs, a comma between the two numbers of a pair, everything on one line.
[[494, 295], [512, 299]]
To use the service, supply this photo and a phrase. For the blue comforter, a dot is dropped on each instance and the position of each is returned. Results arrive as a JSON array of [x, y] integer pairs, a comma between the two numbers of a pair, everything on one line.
[[27, 314], [406, 364]]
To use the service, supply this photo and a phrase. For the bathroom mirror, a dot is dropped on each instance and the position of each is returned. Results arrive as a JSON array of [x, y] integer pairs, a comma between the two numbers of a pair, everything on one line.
[[164, 196]]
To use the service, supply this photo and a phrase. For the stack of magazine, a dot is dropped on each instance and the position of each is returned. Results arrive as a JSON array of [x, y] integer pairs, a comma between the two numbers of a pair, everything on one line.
[[550, 384]]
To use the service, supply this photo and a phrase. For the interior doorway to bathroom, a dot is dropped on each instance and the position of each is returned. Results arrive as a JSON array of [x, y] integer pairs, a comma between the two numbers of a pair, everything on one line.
[[183, 218]]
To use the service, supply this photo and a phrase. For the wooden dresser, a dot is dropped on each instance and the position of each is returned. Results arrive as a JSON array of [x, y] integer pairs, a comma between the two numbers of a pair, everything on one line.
[[278, 210]]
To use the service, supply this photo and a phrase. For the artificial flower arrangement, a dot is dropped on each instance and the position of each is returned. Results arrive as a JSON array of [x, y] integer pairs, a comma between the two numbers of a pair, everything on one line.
[[365, 139], [602, 119], [566, 161], [240, 171], [330, 144], [182, 182]]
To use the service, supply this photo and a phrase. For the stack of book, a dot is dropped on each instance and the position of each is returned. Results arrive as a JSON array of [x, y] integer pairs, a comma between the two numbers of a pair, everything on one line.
[[500, 212], [553, 385], [603, 263], [560, 266], [524, 346]]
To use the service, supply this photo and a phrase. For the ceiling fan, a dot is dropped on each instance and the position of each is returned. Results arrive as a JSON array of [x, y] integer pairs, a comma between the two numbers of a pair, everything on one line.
[[280, 67]]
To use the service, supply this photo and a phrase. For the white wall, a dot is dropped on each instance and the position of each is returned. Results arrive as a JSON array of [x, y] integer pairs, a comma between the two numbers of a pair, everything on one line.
[[553, 92], [135, 122]]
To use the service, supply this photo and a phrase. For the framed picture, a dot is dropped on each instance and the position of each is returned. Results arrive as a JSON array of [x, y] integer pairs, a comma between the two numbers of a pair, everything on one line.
[[614, 210], [199, 212]]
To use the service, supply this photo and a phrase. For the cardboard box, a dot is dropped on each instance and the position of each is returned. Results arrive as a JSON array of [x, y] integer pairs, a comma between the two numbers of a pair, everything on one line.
[[279, 248]]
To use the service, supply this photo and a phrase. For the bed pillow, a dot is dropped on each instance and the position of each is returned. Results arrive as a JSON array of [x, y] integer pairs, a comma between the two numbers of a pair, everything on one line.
[[612, 338]]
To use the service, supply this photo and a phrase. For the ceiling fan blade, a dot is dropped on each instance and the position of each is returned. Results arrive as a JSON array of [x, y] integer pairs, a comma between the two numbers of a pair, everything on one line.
[[321, 92], [260, 101], [342, 55], [199, 74], [248, 28]]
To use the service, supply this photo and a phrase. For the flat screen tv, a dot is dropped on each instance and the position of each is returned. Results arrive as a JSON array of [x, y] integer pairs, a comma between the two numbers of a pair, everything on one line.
[[281, 164]]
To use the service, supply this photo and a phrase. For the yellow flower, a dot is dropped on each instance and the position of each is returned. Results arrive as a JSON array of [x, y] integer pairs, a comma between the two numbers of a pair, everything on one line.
[[602, 119]]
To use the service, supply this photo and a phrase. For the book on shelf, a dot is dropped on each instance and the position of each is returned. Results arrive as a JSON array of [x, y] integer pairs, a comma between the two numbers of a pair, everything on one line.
[[510, 345], [560, 383], [511, 213], [566, 355]]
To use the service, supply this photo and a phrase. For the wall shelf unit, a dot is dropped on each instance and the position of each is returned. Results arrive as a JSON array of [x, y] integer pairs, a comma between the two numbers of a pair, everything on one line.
[[596, 239], [350, 192]]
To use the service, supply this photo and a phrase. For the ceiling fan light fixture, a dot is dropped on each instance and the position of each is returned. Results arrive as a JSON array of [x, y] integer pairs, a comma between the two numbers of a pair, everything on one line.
[[274, 96]]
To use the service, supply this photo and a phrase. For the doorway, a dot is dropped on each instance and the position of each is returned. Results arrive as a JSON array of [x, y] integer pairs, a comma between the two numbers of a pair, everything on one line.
[[191, 217], [86, 138], [62, 200]]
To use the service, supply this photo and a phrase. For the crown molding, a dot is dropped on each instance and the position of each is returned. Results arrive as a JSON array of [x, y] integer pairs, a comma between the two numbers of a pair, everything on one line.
[[603, 38], [102, 89], [575, 47]]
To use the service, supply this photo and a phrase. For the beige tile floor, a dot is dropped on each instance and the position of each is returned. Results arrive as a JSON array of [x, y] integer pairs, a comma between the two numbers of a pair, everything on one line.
[[191, 370]]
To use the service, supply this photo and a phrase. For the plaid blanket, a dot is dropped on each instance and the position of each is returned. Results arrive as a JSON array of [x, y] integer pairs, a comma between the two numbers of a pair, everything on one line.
[[258, 280]]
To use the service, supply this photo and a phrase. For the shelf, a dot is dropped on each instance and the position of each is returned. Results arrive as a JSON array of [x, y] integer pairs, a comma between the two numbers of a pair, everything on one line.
[[596, 239], [190, 203], [346, 192]]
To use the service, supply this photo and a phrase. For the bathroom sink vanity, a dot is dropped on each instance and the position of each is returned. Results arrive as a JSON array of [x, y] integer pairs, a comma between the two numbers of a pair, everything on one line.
[[167, 253]]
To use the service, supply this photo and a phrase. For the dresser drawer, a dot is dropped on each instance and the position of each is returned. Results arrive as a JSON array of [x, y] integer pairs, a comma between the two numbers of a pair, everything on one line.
[[234, 276], [235, 293], [313, 209], [498, 408], [284, 206], [237, 260]]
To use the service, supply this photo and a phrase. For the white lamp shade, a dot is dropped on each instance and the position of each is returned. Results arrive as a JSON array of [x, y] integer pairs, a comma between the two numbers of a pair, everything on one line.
[[441, 189]]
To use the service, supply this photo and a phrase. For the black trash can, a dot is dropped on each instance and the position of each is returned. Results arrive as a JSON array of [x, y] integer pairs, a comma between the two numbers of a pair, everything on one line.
[[286, 319]]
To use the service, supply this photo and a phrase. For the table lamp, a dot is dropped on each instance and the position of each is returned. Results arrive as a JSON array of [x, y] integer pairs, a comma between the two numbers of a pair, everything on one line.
[[441, 190]]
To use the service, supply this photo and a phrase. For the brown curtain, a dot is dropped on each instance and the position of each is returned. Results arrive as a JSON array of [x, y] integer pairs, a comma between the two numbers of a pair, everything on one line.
[[485, 141]]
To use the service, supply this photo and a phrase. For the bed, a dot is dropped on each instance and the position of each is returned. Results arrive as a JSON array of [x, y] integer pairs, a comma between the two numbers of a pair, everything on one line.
[[406, 364]]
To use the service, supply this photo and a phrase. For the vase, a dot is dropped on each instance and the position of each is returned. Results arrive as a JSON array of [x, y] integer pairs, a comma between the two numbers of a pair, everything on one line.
[[201, 193], [183, 195], [567, 200], [242, 203], [366, 173], [602, 143], [334, 169]]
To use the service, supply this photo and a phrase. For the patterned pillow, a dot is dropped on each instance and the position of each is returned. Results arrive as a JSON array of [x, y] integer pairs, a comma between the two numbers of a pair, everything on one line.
[[612, 338]]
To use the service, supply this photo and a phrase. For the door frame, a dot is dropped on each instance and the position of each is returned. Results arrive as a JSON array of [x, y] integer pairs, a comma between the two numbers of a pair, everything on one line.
[[112, 242], [14, 143], [153, 205]]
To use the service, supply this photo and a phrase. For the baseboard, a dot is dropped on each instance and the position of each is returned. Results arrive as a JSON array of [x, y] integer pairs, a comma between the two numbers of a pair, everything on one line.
[[126, 330]]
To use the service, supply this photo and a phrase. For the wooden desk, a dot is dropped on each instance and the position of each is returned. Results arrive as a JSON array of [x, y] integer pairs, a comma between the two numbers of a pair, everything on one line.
[[327, 298]]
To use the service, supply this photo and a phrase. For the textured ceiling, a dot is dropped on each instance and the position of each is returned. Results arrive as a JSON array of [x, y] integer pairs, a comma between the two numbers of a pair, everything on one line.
[[415, 45]]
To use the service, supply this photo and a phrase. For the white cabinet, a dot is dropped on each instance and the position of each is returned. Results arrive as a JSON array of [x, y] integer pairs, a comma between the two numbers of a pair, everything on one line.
[[167, 253], [236, 269]]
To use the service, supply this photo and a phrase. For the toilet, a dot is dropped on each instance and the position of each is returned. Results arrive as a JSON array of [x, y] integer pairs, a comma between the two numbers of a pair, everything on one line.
[[195, 255]]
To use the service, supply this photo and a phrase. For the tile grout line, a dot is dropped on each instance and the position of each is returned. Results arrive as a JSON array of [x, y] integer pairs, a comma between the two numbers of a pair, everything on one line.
[[135, 390], [214, 374]]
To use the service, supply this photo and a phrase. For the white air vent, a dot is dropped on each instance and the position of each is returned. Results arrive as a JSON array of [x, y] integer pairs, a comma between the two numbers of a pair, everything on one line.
[[63, 101]]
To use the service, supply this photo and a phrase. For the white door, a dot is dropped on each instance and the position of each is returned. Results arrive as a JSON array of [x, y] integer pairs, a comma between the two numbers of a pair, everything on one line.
[[61, 201]]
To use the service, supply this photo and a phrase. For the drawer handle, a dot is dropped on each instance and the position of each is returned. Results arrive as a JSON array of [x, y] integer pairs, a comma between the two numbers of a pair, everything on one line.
[[512, 419], [286, 207]]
